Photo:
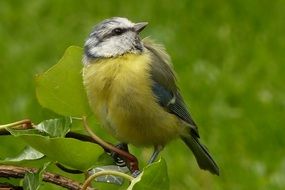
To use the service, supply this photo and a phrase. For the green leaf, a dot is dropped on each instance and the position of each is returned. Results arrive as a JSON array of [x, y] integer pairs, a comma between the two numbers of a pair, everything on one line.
[[19, 132], [104, 159], [60, 89], [55, 127], [71, 152], [58, 127], [153, 177], [32, 181], [12, 148], [48, 138], [27, 163], [28, 154]]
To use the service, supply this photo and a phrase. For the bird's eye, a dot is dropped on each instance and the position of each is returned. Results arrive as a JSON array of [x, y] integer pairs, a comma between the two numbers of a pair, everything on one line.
[[118, 31]]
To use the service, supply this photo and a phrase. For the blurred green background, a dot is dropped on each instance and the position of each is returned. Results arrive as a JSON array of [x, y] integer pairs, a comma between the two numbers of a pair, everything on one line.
[[229, 56]]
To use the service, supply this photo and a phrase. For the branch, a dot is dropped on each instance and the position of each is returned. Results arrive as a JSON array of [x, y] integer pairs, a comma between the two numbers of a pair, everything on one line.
[[19, 172], [8, 186]]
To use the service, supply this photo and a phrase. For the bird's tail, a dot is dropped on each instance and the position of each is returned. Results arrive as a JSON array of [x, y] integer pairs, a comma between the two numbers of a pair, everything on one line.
[[203, 157]]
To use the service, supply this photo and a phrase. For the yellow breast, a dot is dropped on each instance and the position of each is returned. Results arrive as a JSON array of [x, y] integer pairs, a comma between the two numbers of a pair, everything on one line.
[[119, 92]]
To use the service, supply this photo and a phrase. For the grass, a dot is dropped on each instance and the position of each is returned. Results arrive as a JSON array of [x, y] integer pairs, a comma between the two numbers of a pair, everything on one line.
[[229, 56]]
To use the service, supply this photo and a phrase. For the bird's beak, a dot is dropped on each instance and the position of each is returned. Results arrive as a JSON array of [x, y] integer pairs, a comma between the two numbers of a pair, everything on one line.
[[140, 26]]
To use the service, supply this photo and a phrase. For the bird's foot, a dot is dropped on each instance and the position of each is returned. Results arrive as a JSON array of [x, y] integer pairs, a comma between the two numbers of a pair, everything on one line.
[[136, 173], [117, 158]]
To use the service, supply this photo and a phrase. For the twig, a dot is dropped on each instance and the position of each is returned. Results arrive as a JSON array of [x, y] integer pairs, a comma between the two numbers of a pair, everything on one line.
[[80, 137], [19, 172], [105, 172], [24, 124], [8, 186], [68, 170], [129, 158]]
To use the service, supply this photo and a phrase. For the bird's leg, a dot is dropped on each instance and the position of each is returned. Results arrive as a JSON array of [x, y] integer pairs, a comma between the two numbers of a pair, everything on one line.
[[118, 160], [128, 160], [122, 162], [123, 146], [157, 150]]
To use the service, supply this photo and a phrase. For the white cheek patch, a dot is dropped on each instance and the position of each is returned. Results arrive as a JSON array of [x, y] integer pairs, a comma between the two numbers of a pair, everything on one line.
[[93, 50], [102, 50], [111, 47]]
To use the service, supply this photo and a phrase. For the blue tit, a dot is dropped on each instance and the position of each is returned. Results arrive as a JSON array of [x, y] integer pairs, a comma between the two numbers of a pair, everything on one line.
[[131, 88]]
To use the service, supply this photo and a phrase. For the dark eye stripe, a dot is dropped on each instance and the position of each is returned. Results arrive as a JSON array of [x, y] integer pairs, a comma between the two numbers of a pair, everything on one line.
[[119, 31], [112, 33]]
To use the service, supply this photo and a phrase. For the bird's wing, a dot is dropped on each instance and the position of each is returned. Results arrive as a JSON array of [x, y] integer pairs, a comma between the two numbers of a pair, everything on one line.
[[164, 84]]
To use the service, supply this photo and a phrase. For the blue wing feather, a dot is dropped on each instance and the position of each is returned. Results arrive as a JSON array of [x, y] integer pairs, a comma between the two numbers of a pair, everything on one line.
[[168, 96], [164, 85], [172, 102], [163, 96]]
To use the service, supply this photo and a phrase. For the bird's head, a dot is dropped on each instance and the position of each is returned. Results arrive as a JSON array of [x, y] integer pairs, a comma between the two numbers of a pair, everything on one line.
[[114, 37]]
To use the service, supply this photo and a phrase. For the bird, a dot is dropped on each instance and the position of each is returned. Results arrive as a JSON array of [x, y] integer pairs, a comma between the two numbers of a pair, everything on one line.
[[132, 90]]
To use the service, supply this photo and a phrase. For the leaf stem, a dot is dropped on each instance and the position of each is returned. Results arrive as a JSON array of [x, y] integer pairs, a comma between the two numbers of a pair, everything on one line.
[[106, 172], [26, 123]]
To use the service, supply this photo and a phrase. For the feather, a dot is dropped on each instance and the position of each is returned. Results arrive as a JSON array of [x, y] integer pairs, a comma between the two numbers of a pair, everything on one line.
[[168, 96], [164, 84]]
